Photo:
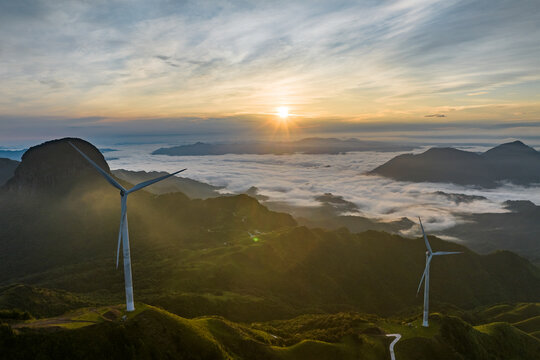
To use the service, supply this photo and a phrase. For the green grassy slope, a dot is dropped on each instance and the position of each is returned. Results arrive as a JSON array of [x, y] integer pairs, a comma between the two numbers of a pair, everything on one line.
[[457, 339], [523, 316], [39, 302], [152, 333]]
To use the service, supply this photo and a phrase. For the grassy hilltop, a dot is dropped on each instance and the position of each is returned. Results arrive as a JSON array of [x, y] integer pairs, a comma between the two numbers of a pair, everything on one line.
[[152, 333]]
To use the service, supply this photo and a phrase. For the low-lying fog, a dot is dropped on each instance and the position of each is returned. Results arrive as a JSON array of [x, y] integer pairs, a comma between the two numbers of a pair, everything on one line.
[[297, 179]]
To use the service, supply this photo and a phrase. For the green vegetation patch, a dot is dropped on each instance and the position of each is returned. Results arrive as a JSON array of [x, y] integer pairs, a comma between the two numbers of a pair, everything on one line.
[[153, 333], [39, 302]]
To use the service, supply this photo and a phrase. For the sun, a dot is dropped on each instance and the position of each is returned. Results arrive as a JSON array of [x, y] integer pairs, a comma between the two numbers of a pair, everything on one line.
[[282, 121], [283, 112]]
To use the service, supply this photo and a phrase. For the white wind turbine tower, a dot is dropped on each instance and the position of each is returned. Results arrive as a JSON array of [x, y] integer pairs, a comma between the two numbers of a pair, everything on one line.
[[123, 234], [425, 275]]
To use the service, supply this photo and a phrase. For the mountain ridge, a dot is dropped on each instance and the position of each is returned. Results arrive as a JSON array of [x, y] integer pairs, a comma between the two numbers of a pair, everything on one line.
[[305, 146], [513, 162]]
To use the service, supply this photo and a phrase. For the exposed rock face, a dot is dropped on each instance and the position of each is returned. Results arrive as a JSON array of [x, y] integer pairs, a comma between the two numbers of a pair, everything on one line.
[[7, 169], [55, 165]]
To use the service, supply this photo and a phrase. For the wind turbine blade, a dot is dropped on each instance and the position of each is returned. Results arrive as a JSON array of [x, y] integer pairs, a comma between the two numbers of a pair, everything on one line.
[[447, 252], [122, 219], [118, 247], [101, 171], [423, 275], [425, 237], [421, 281], [153, 181]]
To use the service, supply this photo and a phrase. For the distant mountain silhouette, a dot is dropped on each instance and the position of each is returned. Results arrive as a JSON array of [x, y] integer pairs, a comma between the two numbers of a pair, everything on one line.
[[12, 154], [7, 169], [459, 198], [306, 146], [511, 162]]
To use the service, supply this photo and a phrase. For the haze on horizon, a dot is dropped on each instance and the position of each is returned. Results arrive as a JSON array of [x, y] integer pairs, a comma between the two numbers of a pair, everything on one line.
[[96, 68]]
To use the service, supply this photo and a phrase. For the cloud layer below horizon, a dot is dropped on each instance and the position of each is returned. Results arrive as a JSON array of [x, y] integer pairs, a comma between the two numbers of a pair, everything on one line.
[[297, 179], [340, 61]]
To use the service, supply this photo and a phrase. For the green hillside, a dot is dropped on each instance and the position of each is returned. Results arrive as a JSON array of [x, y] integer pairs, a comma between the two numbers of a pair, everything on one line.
[[39, 302], [152, 333], [523, 316]]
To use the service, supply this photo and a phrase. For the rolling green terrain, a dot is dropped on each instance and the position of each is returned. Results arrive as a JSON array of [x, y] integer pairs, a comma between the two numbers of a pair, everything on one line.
[[233, 279], [153, 333]]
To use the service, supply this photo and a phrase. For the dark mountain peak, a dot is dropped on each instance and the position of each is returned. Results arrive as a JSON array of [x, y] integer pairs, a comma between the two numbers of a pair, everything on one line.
[[520, 205], [446, 152], [56, 165], [437, 165], [513, 162], [511, 149], [441, 150]]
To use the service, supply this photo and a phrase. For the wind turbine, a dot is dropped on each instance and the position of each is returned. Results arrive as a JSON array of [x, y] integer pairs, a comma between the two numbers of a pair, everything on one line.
[[123, 233], [425, 275]]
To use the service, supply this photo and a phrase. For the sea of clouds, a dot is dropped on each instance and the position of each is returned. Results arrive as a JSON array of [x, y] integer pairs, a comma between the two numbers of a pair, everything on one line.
[[297, 179]]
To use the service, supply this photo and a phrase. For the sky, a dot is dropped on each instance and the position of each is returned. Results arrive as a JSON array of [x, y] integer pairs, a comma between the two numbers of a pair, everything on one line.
[[112, 68]]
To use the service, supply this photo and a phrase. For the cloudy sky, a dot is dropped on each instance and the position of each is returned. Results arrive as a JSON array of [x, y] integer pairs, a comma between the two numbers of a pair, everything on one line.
[[92, 67]]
